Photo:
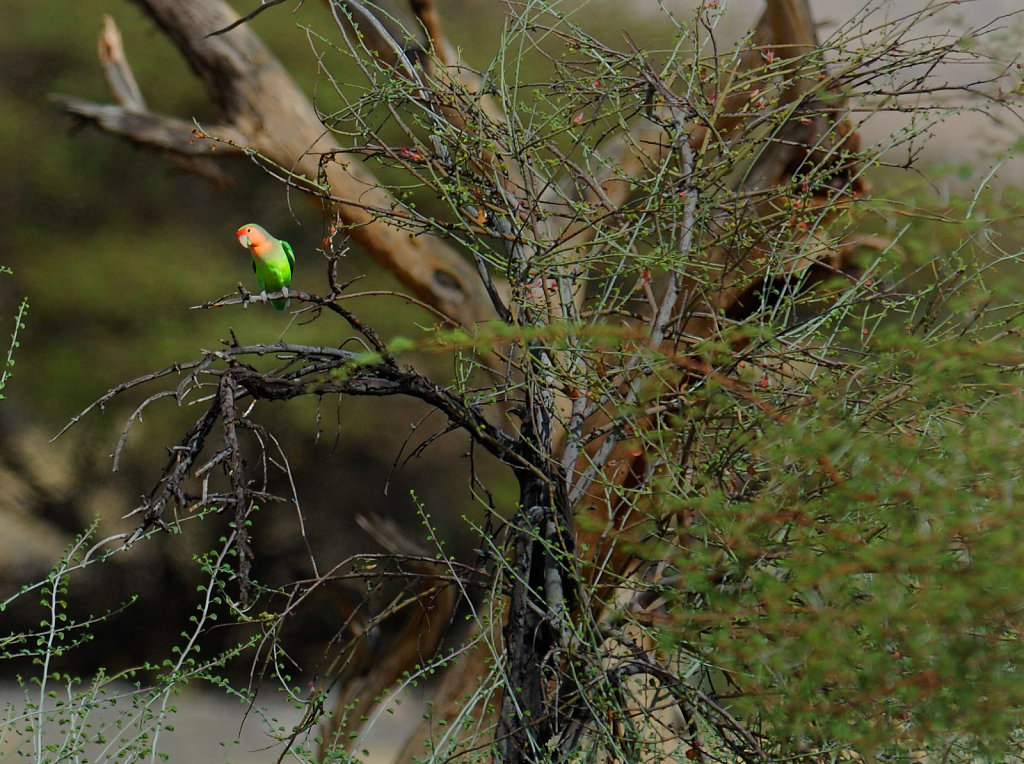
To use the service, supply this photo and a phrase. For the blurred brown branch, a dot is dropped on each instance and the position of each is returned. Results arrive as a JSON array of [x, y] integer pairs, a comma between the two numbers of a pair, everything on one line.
[[266, 115]]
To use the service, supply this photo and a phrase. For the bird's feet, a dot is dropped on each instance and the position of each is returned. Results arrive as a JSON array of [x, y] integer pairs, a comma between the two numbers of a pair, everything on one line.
[[284, 291]]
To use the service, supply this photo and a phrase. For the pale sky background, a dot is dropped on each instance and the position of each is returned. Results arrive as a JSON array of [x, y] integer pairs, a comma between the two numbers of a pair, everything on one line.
[[966, 138]]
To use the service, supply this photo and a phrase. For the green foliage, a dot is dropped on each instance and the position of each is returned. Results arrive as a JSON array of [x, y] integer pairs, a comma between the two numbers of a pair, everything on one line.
[[862, 587], [19, 324], [122, 716]]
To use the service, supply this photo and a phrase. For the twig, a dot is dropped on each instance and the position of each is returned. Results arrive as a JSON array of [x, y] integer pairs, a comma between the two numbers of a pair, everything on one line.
[[264, 5]]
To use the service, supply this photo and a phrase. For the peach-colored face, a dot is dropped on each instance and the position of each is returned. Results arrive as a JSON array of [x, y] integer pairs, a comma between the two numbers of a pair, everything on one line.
[[252, 238]]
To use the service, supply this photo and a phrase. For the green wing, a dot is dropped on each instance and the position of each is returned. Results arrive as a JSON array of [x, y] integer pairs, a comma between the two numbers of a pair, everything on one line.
[[259, 278], [288, 251]]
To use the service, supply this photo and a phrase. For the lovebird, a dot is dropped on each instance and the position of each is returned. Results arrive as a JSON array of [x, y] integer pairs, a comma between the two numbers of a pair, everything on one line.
[[272, 260]]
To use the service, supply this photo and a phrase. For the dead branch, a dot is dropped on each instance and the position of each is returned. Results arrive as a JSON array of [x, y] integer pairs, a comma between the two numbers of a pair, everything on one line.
[[414, 643], [267, 116], [149, 130], [116, 70]]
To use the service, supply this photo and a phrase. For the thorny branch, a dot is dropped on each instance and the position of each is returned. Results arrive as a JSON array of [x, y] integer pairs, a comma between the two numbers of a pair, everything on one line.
[[307, 370]]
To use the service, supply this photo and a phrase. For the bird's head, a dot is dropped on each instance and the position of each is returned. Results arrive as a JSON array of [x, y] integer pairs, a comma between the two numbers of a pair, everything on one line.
[[253, 238]]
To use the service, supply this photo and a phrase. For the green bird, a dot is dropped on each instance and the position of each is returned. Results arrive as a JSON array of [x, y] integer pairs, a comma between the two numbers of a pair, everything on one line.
[[272, 261]]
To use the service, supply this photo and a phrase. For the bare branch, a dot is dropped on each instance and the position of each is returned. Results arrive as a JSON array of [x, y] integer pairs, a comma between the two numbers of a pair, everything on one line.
[[264, 5], [118, 74], [416, 642], [150, 130]]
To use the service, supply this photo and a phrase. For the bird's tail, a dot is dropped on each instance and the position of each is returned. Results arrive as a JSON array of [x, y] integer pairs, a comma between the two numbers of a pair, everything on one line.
[[281, 304]]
